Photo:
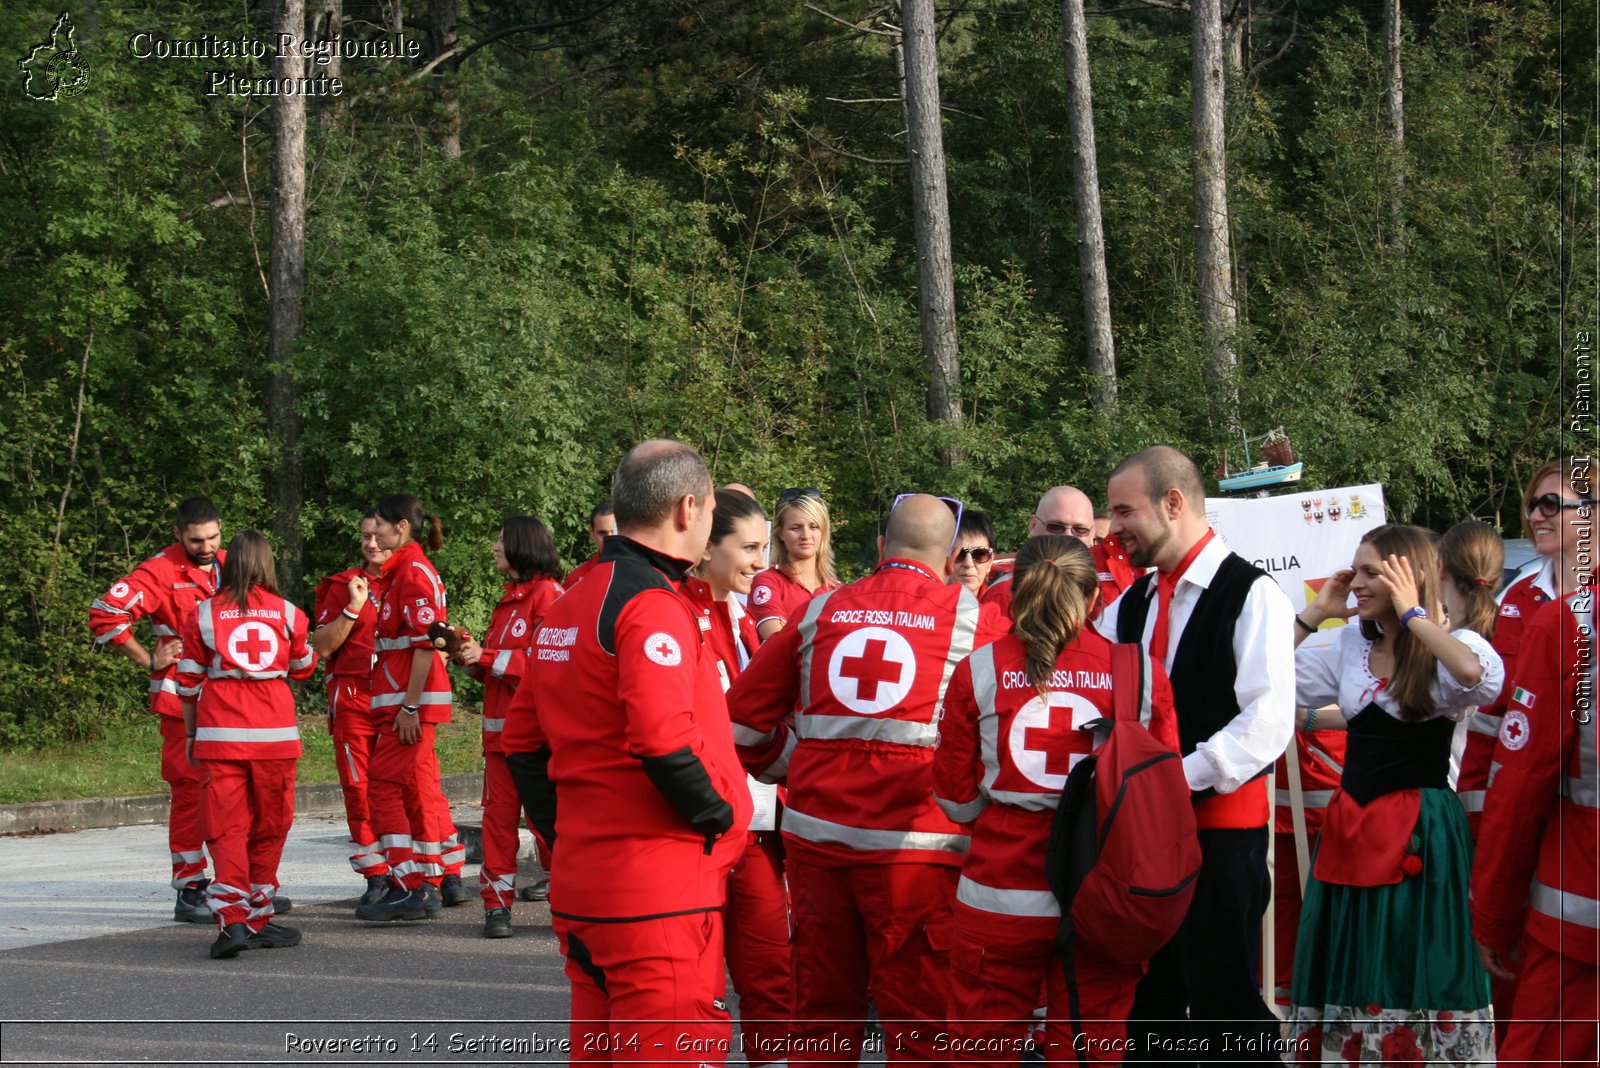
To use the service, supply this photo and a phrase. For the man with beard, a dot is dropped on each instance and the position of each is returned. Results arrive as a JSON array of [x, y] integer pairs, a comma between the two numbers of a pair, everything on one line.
[[1224, 631]]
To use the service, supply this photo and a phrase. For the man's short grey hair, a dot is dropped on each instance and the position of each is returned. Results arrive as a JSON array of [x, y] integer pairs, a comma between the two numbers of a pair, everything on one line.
[[653, 477]]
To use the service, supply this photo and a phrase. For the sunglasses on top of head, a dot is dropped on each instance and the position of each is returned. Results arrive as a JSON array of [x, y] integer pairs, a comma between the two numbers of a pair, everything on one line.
[[1551, 504], [954, 505], [795, 494]]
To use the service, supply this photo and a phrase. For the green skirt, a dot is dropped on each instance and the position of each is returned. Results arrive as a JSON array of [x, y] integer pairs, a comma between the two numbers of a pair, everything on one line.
[[1390, 974]]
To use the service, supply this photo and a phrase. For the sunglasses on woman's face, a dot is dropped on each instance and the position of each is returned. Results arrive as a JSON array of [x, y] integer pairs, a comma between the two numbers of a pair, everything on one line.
[[1551, 504], [981, 554]]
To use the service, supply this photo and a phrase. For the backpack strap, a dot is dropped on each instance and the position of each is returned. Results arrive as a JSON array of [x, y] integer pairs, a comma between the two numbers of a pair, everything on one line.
[[1130, 683]]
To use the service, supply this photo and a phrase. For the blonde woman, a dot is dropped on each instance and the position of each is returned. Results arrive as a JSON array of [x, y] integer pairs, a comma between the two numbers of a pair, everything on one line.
[[802, 561]]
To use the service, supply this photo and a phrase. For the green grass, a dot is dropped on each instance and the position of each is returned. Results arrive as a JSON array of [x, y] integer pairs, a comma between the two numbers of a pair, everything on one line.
[[127, 761]]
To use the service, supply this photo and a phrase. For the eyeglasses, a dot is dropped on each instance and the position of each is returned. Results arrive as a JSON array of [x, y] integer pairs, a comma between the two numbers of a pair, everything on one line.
[[785, 496], [1060, 529], [980, 554], [954, 505], [1550, 504]]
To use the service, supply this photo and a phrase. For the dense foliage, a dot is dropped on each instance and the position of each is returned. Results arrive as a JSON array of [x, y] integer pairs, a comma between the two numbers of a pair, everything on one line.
[[665, 219]]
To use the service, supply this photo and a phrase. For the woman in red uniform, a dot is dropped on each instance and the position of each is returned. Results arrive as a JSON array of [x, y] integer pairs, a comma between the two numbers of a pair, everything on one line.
[[756, 919], [238, 713], [347, 621], [526, 555], [1013, 726], [410, 698], [802, 561]]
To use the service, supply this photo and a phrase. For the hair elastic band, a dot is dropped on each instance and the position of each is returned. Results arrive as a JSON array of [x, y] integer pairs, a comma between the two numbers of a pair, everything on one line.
[[1481, 581]]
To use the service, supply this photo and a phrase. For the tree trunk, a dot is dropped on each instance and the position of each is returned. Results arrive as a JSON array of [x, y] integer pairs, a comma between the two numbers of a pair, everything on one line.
[[287, 285], [443, 33], [1394, 93], [1219, 316], [936, 291], [326, 20], [1086, 198]]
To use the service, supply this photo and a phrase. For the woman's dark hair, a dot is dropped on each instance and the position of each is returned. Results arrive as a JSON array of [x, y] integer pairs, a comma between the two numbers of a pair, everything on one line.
[[1056, 582], [529, 548], [249, 563], [732, 506], [976, 523], [425, 526], [1415, 666], [1474, 556]]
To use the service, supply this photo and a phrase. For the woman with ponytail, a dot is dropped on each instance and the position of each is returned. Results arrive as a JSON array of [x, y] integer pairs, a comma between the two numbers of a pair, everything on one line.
[[238, 648], [1385, 966], [410, 698], [1016, 718]]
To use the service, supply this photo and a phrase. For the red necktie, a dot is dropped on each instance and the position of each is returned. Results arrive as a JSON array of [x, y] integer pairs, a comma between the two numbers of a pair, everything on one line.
[[1166, 585]]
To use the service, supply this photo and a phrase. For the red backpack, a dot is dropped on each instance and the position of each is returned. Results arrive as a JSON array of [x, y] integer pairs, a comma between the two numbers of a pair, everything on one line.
[[1123, 856]]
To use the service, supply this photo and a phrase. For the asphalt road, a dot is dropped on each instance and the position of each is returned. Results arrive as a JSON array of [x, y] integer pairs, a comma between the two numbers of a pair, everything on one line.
[[94, 971]]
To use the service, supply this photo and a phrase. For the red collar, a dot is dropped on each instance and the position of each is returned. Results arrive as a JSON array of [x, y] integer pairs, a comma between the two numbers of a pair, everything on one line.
[[405, 554], [1170, 581]]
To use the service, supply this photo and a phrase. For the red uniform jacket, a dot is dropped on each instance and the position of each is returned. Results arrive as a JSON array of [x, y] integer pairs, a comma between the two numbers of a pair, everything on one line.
[[352, 662], [867, 666], [413, 598], [774, 595], [234, 665], [506, 645], [1321, 756], [1004, 754], [651, 802], [1519, 604], [1536, 855], [729, 628], [166, 588]]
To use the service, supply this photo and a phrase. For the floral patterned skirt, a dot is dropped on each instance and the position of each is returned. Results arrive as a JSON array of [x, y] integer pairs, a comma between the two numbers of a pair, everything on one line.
[[1390, 974]]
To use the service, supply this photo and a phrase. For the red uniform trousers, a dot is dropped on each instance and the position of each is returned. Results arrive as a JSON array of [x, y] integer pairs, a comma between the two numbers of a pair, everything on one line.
[[760, 957], [355, 738], [887, 921], [249, 809], [403, 791], [1286, 911], [1556, 1016], [186, 819], [997, 966], [502, 817], [647, 990]]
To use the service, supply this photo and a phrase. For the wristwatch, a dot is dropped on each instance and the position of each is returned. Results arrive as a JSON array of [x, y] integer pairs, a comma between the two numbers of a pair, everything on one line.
[[410, 710], [1415, 612]]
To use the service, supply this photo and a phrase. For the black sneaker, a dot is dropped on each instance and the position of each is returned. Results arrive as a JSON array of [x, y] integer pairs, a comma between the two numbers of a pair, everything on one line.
[[539, 891], [497, 923], [281, 905], [432, 900], [192, 906], [398, 904], [377, 886], [453, 893], [231, 941], [273, 936]]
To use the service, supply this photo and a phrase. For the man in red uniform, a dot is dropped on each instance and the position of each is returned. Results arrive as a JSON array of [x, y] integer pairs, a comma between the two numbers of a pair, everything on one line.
[[652, 803], [602, 524], [1068, 512], [347, 606], [166, 588], [1536, 872], [872, 860]]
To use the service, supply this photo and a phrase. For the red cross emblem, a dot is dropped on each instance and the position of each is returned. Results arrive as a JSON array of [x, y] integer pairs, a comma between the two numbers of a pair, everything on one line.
[[253, 647], [1042, 737], [1047, 741], [662, 648], [1514, 729], [871, 668]]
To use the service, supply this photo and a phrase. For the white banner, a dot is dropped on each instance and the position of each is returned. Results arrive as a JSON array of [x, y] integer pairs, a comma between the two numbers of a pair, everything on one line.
[[1298, 538]]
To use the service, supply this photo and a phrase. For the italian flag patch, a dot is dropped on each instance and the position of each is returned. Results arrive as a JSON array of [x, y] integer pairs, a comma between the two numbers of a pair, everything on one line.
[[1522, 697]]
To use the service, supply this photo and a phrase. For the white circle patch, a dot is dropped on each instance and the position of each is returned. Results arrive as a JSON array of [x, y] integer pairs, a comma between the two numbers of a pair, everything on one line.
[[425, 615], [388, 610], [253, 647], [1040, 758], [662, 648], [762, 595], [519, 628], [871, 670], [121, 589], [1514, 729]]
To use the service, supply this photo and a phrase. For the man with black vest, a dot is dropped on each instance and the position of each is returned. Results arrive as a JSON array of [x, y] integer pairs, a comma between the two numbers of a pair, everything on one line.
[[1225, 633]]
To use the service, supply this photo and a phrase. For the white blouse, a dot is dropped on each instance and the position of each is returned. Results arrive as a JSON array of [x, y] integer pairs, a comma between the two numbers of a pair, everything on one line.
[[1341, 673]]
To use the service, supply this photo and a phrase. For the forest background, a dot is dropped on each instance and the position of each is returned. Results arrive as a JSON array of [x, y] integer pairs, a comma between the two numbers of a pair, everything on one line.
[[567, 225]]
